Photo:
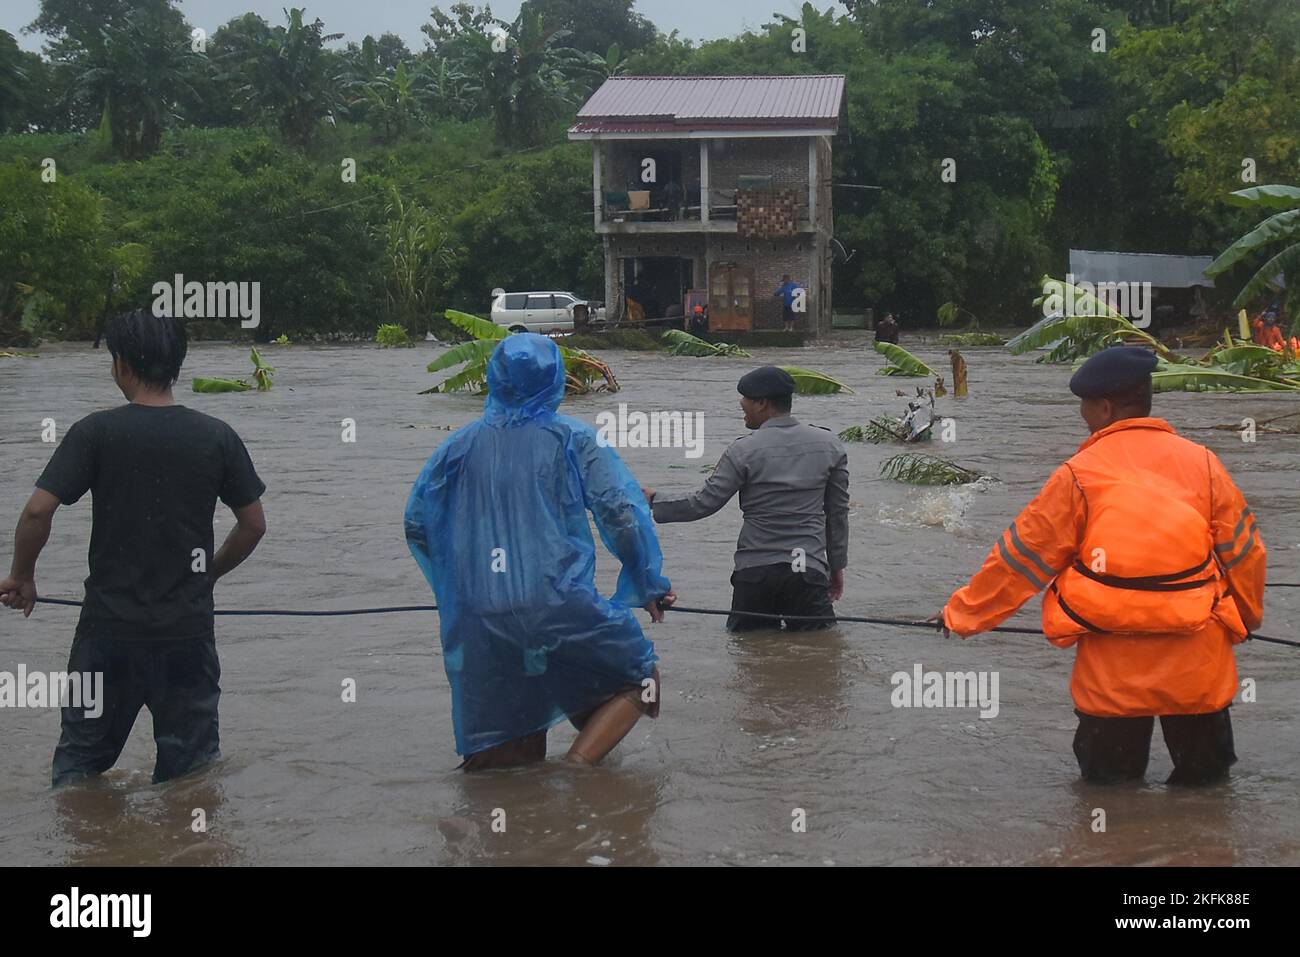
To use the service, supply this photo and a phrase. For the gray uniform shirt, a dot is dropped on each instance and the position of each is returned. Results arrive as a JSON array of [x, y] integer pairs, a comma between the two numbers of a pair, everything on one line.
[[793, 481]]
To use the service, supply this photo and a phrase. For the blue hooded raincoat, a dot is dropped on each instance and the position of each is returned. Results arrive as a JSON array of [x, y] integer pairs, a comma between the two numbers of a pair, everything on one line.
[[498, 523]]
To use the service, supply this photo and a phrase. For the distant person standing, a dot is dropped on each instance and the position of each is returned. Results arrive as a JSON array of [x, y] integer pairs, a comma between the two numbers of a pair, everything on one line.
[[887, 329], [699, 323], [792, 295], [156, 471]]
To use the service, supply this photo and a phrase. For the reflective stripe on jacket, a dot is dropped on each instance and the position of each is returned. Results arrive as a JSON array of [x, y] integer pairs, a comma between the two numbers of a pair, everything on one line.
[[1137, 506]]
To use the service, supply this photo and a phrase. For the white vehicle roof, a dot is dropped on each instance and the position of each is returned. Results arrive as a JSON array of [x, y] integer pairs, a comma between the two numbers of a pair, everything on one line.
[[542, 292]]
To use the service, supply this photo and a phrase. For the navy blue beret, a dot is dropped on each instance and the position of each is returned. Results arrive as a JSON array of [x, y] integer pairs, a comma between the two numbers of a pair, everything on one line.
[[1114, 371], [767, 382]]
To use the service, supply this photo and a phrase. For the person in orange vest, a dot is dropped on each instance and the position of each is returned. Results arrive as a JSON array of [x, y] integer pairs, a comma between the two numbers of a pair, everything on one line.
[[1273, 337], [1153, 568]]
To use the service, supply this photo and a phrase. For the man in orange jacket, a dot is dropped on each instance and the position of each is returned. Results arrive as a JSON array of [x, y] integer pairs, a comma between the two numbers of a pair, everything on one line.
[[1153, 567]]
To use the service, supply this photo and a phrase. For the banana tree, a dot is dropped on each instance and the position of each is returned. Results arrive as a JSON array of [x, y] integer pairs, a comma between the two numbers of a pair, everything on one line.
[[1073, 336], [1281, 229], [584, 372]]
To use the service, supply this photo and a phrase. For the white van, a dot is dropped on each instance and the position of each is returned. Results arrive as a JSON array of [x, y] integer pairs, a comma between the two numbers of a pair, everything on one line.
[[550, 311]]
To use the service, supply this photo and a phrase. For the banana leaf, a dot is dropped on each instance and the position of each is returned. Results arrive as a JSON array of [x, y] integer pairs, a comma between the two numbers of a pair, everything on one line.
[[476, 327], [685, 344], [1245, 359], [262, 372], [1285, 263], [475, 354], [808, 382], [17, 355], [1282, 226], [1271, 197], [221, 385], [1190, 378], [903, 362], [476, 350]]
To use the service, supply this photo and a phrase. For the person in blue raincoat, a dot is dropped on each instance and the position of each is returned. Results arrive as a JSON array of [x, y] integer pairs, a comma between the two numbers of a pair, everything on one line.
[[498, 523]]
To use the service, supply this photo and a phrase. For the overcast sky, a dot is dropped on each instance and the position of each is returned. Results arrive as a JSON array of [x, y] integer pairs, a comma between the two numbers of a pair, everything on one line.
[[694, 19]]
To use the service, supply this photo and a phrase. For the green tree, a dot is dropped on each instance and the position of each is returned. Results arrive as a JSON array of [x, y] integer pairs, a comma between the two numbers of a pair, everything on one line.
[[289, 77], [13, 83], [518, 72], [136, 71], [596, 25], [53, 246]]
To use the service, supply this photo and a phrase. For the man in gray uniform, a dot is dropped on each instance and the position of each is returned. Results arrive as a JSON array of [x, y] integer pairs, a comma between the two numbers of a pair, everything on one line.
[[793, 481]]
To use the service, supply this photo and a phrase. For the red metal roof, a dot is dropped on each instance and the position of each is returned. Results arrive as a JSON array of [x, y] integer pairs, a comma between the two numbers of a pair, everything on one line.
[[665, 103]]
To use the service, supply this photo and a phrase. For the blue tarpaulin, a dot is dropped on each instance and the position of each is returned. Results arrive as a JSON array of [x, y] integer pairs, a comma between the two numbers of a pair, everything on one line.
[[498, 523]]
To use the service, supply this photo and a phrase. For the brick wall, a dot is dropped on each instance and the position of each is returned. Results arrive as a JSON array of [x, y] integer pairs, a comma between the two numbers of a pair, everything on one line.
[[784, 158]]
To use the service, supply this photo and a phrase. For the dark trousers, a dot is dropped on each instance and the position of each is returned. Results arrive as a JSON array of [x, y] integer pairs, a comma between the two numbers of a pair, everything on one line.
[[1111, 750], [178, 681], [777, 590]]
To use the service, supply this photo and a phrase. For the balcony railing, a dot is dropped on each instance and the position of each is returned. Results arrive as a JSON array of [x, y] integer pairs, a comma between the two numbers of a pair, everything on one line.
[[669, 210]]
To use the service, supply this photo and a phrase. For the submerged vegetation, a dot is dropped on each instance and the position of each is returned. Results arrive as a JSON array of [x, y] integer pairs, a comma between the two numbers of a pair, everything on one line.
[[902, 362], [918, 468], [392, 336], [684, 344], [584, 372], [1230, 366], [810, 382], [263, 379]]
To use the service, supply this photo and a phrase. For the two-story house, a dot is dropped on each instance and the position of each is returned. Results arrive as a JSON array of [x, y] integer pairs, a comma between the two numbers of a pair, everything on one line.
[[714, 188]]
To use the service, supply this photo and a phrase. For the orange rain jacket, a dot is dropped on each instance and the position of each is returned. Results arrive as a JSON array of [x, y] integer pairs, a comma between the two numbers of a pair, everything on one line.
[[1153, 564]]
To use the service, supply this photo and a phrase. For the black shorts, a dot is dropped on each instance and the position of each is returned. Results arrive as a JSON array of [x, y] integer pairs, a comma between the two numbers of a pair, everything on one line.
[[178, 681], [1110, 750], [778, 590]]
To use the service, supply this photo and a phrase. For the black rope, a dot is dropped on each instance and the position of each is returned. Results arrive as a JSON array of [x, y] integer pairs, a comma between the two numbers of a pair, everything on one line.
[[825, 619]]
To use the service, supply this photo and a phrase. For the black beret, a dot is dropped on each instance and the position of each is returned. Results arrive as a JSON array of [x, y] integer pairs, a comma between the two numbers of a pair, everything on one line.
[[1112, 372], [768, 382]]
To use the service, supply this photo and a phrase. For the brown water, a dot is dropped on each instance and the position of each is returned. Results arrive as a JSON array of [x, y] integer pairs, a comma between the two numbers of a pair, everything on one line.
[[752, 728]]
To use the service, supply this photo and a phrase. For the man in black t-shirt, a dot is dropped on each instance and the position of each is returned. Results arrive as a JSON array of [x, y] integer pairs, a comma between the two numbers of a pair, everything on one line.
[[155, 471]]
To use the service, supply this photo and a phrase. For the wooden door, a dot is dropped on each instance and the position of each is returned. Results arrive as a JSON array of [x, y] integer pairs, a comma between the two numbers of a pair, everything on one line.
[[731, 300]]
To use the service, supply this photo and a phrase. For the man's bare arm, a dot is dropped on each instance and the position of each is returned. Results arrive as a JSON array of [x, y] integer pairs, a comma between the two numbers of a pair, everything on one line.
[[33, 531], [250, 526]]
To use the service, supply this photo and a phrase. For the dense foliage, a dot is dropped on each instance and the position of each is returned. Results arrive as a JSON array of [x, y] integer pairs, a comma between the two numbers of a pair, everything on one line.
[[1095, 123]]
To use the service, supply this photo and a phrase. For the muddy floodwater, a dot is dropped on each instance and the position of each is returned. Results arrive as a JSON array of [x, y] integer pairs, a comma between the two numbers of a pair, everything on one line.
[[754, 729]]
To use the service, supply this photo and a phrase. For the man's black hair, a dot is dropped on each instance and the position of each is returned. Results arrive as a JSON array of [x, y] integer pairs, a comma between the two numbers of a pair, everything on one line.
[[152, 346], [1136, 400]]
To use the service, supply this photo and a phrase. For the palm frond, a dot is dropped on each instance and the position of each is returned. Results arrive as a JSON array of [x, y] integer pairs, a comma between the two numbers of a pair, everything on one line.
[[917, 468]]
